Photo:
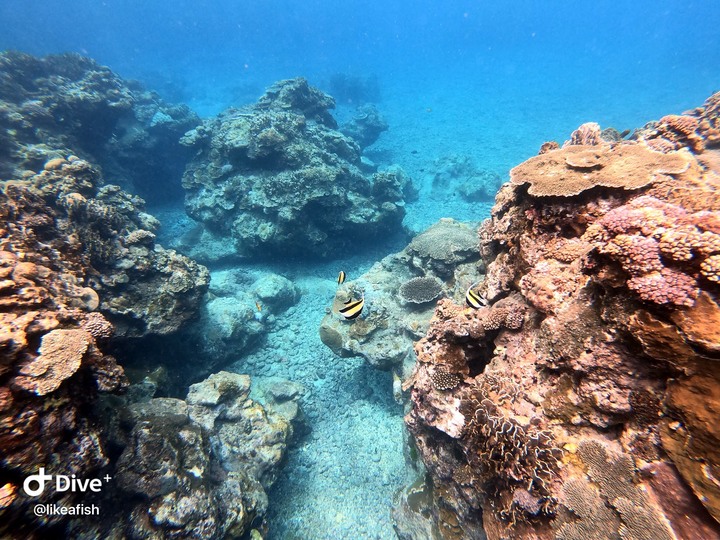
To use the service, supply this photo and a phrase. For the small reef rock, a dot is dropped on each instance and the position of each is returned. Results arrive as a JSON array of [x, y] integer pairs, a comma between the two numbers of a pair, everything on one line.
[[365, 126], [241, 309], [200, 467], [460, 173], [51, 105], [583, 401], [400, 295], [279, 180]]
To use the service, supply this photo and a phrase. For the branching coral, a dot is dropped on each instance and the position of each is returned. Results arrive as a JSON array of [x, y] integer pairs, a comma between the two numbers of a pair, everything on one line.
[[710, 268], [659, 246]]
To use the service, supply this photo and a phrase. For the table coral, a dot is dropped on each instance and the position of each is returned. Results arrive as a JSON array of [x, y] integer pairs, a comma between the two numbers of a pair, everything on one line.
[[576, 168], [61, 352], [420, 290]]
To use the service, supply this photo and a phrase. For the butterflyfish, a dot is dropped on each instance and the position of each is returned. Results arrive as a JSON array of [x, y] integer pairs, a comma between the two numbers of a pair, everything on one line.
[[474, 300], [352, 309], [341, 277]]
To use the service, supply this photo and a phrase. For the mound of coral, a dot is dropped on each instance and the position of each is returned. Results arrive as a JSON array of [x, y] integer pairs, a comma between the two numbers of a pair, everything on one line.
[[52, 105], [400, 294], [278, 179], [581, 402]]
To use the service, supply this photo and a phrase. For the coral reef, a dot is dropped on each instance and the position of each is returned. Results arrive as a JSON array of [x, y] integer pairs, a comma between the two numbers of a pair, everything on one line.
[[199, 467], [79, 268], [52, 364], [400, 292], [579, 403], [279, 180], [51, 105], [697, 129]]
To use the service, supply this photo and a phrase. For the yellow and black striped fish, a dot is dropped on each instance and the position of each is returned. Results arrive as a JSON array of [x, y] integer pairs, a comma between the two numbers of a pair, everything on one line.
[[474, 300], [352, 309], [341, 277]]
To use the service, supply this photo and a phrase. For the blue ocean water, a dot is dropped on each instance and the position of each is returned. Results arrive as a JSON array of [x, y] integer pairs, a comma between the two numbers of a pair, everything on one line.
[[490, 81]]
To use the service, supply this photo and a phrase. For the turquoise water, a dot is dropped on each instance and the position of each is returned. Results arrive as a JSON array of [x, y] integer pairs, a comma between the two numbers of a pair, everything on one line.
[[489, 82]]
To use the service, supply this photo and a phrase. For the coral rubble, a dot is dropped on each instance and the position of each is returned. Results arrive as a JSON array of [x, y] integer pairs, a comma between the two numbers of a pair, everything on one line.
[[278, 178], [580, 402]]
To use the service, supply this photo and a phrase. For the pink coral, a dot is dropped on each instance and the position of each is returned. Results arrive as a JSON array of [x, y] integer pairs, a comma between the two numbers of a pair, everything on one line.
[[667, 286], [637, 254]]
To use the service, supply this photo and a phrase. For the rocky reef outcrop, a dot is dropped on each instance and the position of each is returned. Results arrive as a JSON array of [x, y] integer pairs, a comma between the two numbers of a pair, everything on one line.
[[78, 266], [400, 295], [278, 179], [63, 104], [580, 402], [200, 467], [241, 309]]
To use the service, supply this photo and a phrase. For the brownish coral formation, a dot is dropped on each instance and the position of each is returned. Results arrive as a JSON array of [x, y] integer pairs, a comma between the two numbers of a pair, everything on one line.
[[70, 281], [586, 391], [51, 363], [576, 168], [697, 129]]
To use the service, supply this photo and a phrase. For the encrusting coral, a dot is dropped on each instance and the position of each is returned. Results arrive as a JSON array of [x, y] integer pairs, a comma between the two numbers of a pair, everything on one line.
[[588, 387], [61, 352]]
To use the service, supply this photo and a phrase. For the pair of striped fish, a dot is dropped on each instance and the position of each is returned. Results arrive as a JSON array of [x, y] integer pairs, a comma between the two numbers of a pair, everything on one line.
[[352, 309]]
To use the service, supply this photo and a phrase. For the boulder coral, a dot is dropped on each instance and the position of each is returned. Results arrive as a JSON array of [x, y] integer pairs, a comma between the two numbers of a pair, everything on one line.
[[580, 402], [277, 178]]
